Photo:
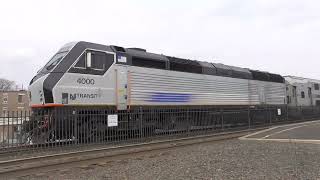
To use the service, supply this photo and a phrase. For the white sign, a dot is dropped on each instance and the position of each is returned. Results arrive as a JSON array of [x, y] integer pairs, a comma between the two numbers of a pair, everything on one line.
[[122, 59], [279, 112], [112, 120]]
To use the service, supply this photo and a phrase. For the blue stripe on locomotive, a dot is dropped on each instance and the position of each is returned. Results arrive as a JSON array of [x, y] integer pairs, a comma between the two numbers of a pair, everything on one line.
[[170, 97]]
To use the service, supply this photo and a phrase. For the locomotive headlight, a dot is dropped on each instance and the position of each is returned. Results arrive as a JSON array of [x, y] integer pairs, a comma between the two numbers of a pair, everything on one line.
[[41, 97], [41, 100]]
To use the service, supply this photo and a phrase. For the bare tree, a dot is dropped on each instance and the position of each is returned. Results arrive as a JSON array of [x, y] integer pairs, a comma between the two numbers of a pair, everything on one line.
[[6, 85]]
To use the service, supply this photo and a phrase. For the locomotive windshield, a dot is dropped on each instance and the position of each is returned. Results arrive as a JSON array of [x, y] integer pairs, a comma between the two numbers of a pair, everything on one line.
[[50, 65], [54, 60]]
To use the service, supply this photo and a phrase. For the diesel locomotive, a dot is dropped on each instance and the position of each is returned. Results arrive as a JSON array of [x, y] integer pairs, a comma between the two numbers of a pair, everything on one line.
[[91, 78]]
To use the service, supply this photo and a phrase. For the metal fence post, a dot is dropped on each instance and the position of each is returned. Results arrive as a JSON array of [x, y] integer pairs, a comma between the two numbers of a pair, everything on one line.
[[270, 114], [287, 113], [189, 122], [249, 119], [75, 126], [302, 115], [222, 120], [8, 129], [141, 128]]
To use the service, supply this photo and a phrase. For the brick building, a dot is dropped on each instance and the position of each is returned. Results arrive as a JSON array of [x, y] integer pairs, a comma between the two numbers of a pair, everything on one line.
[[13, 105], [14, 101]]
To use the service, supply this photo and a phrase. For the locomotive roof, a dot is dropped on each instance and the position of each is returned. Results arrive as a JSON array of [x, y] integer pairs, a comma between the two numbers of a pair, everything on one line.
[[193, 66], [212, 68], [146, 55]]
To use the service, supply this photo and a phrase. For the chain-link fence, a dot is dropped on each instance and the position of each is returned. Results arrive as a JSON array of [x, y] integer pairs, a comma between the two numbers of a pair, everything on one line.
[[77, 127]]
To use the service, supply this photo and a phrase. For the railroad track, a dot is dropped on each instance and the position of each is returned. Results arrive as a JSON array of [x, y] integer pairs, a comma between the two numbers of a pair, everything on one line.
[[11, 167]]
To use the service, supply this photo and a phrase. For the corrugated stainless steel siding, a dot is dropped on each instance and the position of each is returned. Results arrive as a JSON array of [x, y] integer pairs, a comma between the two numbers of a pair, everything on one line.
[[275, 93], [267, 93], [172, 88], [203, 89]]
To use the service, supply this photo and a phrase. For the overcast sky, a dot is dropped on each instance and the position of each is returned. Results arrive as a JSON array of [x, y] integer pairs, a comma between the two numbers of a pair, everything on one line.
[[280, 36]]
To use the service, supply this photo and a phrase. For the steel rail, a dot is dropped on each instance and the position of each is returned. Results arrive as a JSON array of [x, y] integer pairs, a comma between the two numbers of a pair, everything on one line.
[[10, 167]]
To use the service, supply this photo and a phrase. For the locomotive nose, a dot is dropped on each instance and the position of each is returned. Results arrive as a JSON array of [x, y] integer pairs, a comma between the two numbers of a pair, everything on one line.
[[36, 91]]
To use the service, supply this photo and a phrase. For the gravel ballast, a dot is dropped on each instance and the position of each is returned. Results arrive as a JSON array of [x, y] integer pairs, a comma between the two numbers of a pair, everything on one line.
[[229, 159]]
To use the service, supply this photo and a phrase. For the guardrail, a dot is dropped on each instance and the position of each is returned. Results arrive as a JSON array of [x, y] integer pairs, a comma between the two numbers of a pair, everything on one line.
[[24, 131]]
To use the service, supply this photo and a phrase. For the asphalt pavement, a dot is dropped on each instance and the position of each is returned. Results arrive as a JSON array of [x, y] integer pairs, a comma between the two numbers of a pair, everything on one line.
[[308, 132]]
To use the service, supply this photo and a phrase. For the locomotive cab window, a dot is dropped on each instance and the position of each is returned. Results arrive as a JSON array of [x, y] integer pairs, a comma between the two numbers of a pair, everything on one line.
[[98, 60], [93, 62]]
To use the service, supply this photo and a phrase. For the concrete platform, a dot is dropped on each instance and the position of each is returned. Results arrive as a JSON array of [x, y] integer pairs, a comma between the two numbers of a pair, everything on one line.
[[307, 132]]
